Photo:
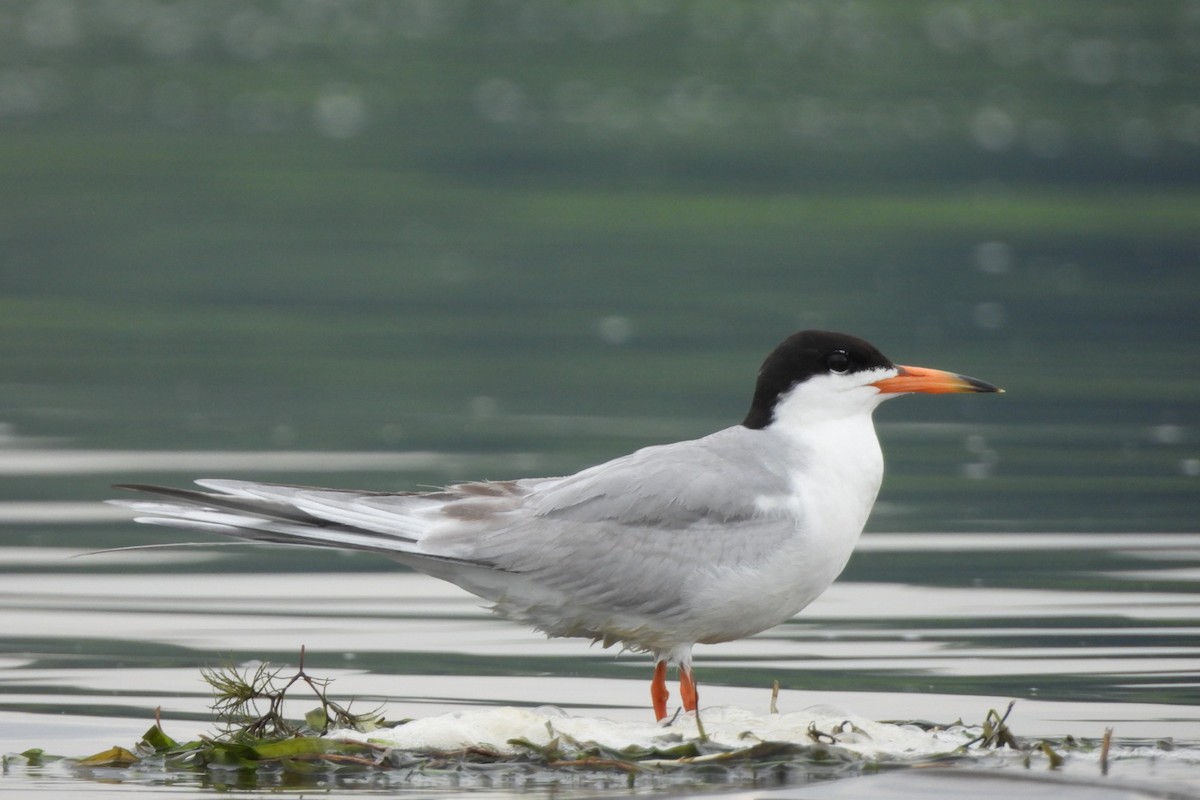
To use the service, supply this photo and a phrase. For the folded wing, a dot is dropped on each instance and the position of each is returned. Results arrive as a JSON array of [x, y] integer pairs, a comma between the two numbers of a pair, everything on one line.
[[612, 552]]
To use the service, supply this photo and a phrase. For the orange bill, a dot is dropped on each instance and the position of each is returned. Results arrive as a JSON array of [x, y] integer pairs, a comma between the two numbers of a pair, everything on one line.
[[931, 381]]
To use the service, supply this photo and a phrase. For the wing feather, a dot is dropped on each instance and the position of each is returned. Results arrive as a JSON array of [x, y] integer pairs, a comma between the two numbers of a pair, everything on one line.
[[621, 551], [636, 534]]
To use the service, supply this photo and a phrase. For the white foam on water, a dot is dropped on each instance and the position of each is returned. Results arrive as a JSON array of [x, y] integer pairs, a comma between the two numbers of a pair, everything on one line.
[[728, 727]]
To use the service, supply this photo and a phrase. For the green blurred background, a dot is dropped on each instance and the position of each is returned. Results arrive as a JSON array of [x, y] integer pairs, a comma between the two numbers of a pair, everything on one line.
[[551, 232]]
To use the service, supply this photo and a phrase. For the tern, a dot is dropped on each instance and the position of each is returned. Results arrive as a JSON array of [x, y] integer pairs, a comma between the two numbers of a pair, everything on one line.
[[701, 541]]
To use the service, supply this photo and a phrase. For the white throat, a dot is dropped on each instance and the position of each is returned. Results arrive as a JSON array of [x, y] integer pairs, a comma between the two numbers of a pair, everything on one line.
[[829, 397], [836, 462]]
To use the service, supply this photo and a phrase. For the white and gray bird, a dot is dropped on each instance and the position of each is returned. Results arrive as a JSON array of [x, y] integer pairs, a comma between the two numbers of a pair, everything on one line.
[[706, 541]]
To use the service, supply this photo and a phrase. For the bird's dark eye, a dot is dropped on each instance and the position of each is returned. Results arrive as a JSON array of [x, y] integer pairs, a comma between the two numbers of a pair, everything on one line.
[[838, 362]]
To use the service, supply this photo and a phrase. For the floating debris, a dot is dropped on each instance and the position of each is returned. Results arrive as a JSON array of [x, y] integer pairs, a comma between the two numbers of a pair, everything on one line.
[[259, 746]]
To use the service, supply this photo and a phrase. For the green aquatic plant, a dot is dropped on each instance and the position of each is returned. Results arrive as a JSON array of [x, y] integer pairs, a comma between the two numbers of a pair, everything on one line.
[[239, 697], [994, 732], [259, 744], [254, 731]]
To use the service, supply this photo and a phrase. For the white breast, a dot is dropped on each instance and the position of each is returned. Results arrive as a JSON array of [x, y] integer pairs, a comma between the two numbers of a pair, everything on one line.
[[834, 469]]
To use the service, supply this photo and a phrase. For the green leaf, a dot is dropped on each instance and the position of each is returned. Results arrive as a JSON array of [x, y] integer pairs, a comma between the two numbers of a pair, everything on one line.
[[305, 746], [112, 757], [157, 740], [192, 758], [1056, 760], [316, 719], [232, 754], [34, 757]]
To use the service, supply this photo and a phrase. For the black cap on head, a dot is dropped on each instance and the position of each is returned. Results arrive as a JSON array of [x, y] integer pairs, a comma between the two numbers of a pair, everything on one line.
[[801, 356]]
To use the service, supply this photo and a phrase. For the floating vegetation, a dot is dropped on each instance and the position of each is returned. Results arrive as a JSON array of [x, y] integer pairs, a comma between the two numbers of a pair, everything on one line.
[[259, 745], [238, 695]]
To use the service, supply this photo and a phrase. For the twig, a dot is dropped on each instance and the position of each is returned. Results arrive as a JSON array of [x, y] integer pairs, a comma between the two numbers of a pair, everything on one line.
[[237, 695], [819, 736], [774, 697], [995, 730], [1105, 744]]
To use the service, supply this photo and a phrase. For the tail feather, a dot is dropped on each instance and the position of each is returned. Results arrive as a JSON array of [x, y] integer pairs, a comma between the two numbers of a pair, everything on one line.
[[274, 514], [332, 506], [223, 500], [259, 528]]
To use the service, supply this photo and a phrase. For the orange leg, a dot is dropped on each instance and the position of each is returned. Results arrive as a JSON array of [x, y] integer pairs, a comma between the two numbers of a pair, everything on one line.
[[658, 690], [687, 688]]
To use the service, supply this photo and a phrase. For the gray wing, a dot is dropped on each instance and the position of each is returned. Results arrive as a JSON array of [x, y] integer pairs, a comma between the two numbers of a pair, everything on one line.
[[716, 480], [634, 538], [636, 534]]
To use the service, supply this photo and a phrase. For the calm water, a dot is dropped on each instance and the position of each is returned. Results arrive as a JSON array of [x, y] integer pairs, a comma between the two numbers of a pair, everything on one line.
[[1087, 630], [396, 244]]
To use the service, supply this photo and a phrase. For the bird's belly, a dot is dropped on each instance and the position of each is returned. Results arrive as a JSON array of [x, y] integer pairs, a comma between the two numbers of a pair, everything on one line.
[[643, 632], [727, 608], [759, 606], [740, 605], [722, 604]]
